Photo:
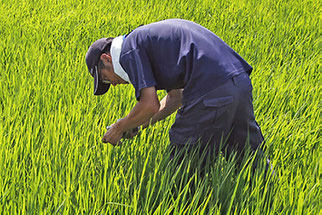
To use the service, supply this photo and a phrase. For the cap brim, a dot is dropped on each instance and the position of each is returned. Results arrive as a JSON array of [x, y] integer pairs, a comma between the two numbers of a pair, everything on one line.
[[99, 87]]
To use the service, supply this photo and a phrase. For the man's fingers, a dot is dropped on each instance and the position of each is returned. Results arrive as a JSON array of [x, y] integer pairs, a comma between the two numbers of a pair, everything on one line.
[[131, 133], [112, 136], [116, 144], [104, 140], [112, 142]]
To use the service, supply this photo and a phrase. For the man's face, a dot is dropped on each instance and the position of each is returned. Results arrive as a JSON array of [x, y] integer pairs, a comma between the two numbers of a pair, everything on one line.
[[106, 72]]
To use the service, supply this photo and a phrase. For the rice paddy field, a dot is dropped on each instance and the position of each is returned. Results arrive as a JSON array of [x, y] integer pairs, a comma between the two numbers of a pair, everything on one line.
[[52, 160]]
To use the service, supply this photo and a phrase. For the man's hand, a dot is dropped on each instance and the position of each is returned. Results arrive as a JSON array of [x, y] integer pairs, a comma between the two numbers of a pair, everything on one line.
[[146, 107], [131, 133], [113, 136]]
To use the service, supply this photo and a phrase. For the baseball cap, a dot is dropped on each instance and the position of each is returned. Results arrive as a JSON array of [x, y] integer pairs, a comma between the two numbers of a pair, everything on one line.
[[92, 58]]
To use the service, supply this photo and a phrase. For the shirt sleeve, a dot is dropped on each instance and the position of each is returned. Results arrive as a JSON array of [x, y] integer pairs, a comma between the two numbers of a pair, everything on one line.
[[137, 65]]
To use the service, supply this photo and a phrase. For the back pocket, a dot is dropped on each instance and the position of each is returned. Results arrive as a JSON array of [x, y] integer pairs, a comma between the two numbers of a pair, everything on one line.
[[216, 107]]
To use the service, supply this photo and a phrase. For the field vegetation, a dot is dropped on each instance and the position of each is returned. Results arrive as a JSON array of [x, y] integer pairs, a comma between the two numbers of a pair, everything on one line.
[[51, 156]]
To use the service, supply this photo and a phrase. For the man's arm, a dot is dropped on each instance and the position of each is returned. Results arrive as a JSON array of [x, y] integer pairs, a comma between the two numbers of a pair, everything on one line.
[[147, 106], [169, 104]]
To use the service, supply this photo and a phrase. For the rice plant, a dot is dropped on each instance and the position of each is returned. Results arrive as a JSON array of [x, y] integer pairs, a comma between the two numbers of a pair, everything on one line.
[[51, 156]]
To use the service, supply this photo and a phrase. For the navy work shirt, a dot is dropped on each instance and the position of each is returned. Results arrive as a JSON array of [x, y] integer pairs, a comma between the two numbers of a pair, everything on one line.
[[174, 54]]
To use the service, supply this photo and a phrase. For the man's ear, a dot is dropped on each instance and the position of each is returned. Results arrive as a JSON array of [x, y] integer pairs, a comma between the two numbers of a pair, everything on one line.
[[106, 57]]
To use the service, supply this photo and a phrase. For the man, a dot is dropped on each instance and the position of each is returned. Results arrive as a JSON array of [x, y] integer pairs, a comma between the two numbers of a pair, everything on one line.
[[199, 71]]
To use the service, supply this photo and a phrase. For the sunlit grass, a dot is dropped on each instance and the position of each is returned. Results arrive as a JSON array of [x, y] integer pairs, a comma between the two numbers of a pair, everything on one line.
[[51, 156]]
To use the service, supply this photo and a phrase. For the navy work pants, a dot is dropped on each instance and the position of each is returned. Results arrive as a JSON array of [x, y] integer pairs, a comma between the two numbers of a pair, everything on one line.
[[223, 117]]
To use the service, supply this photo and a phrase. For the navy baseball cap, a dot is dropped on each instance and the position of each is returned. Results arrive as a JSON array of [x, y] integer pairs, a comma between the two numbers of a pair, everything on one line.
[[92, 58]]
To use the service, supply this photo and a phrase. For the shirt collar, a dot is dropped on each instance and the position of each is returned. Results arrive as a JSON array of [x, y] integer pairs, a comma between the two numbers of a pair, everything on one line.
[[116, 48]]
